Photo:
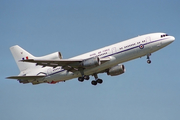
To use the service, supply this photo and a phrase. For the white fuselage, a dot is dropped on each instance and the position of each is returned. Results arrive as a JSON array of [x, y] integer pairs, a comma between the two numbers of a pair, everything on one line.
[[117, 53]]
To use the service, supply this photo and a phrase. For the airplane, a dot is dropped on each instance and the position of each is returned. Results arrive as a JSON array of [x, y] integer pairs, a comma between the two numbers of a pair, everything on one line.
[[53, 68]]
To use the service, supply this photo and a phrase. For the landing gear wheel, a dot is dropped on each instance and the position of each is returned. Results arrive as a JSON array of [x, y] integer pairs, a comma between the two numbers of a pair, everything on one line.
[[94, 82], [81, 79], [148, 61], [148, 57], [99, 81], [86, 77]]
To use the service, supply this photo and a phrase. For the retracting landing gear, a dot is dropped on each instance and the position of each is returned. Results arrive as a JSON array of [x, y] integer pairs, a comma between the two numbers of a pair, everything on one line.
[[97, 80], [148, 57]]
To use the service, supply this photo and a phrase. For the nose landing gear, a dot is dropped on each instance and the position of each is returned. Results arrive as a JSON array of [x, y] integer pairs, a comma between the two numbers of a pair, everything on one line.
[[148, 57], [148, 61]]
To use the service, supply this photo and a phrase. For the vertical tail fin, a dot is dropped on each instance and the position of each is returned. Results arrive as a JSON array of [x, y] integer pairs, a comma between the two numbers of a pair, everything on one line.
[[20, 54]]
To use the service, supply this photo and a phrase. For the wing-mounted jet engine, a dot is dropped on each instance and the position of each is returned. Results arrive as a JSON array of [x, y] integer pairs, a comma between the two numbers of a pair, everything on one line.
[[91, 62], [116, 70], [53, 56]]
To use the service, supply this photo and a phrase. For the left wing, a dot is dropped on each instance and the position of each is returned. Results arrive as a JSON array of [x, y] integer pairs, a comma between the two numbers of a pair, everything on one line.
[[54, 63], [67, 64]]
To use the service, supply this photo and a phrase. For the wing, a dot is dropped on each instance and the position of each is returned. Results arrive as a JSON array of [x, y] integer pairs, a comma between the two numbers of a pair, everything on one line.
[[25, 77], [54, 63], [67, 64]]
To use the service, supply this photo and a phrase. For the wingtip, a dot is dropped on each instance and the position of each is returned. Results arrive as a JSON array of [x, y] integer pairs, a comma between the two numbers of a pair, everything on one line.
[[10, 77]]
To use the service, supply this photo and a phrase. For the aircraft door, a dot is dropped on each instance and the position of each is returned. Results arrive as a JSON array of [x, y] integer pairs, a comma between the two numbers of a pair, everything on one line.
[[148, 42], [113, 50], [148, 39]]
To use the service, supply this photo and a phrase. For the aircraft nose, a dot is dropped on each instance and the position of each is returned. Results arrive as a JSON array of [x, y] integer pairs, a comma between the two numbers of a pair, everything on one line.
[[172, 38], [169, 40]]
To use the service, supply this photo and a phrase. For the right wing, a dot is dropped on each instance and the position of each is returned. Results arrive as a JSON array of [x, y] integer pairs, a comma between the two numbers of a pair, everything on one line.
[[25, 77]]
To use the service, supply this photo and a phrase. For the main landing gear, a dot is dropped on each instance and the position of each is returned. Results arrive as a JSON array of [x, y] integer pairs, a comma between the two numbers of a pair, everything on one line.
[[148, 61], [94, 82], [81, 79], [97, 80]]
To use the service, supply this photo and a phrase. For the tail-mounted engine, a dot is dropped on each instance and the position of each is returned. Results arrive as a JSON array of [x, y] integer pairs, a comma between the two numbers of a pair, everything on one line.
[[116, 70], [91, 62], [52, 56]]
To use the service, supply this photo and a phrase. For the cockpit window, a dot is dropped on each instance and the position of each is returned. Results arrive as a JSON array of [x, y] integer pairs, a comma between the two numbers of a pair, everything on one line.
[[164, 35]]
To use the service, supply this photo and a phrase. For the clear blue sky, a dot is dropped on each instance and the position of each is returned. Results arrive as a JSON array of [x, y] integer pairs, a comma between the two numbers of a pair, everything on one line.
[[144, 92]]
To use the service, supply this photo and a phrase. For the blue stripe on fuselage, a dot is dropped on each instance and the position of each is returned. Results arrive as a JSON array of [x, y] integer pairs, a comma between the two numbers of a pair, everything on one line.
[[117, 53]]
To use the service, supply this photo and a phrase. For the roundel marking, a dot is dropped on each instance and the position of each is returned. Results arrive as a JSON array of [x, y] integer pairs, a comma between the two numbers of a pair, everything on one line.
[[141, 46]]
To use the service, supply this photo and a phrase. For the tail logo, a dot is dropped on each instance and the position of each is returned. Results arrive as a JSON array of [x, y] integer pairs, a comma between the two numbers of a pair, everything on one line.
[[25, 58]]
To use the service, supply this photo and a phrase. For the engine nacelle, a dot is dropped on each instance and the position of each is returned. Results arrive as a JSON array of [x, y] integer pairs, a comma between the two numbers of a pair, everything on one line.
[[91, 62], [116, 70], [52, 56]]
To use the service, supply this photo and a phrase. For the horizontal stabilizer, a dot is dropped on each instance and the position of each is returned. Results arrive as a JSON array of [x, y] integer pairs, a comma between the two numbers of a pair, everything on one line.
[[25, 77]]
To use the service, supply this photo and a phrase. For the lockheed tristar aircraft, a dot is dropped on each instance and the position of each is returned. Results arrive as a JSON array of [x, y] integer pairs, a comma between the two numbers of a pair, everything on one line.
[[53, 68]]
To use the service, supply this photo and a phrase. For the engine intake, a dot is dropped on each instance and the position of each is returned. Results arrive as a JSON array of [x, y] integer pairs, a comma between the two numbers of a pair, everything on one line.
[[116, 70], [91, 62]]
